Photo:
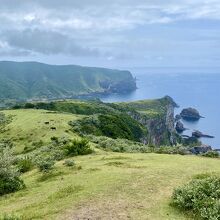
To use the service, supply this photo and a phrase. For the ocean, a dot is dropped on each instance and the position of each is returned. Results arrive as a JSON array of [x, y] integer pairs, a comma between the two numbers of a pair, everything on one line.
[[191, 87]]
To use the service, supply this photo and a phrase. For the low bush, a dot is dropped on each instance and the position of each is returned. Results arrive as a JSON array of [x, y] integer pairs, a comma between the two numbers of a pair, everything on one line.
[[6, 143], [124, 145], [201, 196], [118, 145], [25, 165], [45, 164], [69, 163], [28, 149], [170, 150], [212, 154], [9, 177], [77, 147]]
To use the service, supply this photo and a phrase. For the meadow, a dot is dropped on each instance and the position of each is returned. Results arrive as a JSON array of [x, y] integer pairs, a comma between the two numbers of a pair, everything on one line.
[[101, 185], [107, 185]]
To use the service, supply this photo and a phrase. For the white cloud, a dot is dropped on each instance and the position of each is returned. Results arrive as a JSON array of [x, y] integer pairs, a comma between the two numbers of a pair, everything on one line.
[[114, 29]]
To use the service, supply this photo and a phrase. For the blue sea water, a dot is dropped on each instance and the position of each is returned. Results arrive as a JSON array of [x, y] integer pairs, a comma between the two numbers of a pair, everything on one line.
[[189, 88]]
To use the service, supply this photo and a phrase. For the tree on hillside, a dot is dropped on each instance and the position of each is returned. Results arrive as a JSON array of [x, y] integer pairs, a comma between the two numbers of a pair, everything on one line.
[[9, 176]]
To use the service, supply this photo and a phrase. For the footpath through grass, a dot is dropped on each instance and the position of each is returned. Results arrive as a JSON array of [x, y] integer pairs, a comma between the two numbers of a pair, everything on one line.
[[107, 186]]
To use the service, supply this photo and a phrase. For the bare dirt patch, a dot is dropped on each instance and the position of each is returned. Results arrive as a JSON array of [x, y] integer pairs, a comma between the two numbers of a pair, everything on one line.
[[103, 209]]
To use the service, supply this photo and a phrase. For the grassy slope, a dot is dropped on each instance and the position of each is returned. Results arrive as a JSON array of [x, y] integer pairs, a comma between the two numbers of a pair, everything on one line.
[[121, 186], [151, 108], [28, 126]]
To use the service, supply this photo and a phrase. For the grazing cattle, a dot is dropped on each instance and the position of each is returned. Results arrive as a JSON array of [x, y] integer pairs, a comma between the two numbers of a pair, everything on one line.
[[53, 128], [46, 122]]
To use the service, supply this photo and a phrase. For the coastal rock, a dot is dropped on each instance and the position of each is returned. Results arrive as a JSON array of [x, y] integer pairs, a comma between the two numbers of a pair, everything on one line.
[[200, 149], [177, 117], [190, 114], [180, 127], [199, 134]]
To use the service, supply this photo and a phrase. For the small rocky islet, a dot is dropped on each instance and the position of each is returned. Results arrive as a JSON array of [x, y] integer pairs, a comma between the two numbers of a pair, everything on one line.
[[192, 114]]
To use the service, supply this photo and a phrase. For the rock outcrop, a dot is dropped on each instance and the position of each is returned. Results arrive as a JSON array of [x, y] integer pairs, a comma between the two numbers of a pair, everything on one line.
[[177, 117], [190, 114], [180, 127], [200, 149], [199, 134]]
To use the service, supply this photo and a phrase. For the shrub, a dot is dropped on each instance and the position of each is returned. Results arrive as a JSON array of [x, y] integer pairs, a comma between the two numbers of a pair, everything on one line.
[[55, 139], [69, 163], [38, 144], [9, 176], [28, 149], [45, 164], [212, 154], [25, 165], [170, 150], [78, 147], [201, 196], [4, 143], [29, 105], [118, 145]]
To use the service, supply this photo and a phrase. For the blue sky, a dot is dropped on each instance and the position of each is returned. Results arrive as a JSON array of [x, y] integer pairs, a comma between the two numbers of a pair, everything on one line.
[[116, 33]]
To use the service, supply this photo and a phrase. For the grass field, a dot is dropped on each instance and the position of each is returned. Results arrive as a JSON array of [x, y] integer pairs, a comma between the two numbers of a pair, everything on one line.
[[108, 186], [29, 126], [103, 185]]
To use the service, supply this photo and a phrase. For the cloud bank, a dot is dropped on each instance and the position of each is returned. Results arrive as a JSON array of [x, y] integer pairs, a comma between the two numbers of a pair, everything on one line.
[[148, 32]]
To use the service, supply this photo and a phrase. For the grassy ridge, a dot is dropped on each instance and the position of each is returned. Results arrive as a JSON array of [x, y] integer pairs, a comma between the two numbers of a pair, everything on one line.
[[154, 108], [36, 80]]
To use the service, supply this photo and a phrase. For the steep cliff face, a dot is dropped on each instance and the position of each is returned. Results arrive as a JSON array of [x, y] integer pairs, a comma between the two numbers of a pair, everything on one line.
[[170, 123], [160, 124]]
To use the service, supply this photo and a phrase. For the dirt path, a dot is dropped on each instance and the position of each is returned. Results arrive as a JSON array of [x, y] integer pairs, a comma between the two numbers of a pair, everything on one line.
[[102, 209]]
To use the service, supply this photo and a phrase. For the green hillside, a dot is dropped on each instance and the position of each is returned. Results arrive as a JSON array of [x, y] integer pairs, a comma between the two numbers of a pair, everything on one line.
[[32, 80], [142, 120], [68, 171]]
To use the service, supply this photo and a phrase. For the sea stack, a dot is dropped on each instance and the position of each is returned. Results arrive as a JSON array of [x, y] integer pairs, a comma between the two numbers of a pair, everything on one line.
[[190, 114], [180, 127]]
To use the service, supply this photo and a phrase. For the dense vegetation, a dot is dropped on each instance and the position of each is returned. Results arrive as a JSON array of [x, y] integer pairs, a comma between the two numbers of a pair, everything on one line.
[[9, 175], [125, 145], [110, 125], [74, 107], [35, 80], [201, 196]]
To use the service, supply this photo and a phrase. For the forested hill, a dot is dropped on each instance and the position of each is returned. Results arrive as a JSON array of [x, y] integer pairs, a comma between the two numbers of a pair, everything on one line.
[[32, 80]]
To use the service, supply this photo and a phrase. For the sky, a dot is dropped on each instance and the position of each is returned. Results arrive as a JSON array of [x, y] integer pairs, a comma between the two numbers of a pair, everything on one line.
[[112, 33]]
